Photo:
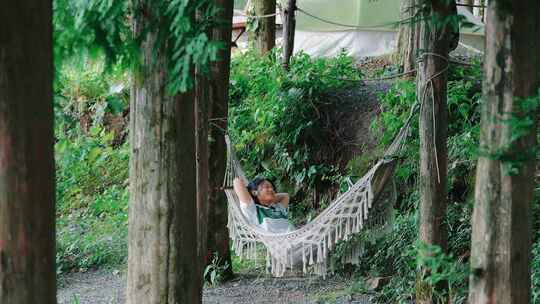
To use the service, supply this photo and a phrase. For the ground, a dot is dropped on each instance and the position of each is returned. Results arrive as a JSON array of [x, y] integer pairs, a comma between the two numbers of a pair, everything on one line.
[[108, 287]]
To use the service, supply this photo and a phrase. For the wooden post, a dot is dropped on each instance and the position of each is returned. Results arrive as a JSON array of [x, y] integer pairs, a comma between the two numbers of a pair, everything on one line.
[[289, 26], [27, 192]]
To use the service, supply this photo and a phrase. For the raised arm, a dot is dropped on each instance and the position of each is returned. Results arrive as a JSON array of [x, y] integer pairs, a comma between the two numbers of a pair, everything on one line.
[[283, 198], [242, 191]]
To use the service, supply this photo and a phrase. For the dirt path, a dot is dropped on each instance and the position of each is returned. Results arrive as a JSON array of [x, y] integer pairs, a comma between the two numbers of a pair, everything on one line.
[[105, 287]]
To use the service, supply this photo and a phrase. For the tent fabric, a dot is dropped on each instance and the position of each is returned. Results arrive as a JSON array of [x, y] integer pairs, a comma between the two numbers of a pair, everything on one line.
[[374, 14], [356, 43], [360, 15], [321, 39]]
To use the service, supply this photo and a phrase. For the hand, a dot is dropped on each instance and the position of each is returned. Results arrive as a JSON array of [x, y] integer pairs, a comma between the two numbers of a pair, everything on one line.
[[239, 182]]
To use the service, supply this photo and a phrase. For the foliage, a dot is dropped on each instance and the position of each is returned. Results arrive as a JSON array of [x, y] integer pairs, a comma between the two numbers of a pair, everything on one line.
[[86, 90], [439, 268], [90, 28], [213, 273], [92, 201], [535, 261], [385, 256], [277, 117], [91, 171], [102, 27]]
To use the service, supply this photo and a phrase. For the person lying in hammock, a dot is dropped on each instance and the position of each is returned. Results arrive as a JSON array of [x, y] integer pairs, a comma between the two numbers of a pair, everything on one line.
[[262, 206]]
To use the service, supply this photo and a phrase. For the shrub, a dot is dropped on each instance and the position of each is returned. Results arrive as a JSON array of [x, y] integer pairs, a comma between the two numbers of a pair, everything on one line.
[[277, 119]]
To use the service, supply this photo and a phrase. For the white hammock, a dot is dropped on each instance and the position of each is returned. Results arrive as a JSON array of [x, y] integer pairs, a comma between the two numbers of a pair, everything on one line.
[[360, 208]]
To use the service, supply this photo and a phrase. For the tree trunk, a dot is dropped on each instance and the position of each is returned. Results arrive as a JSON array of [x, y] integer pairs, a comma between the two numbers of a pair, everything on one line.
[[218, 236], [263, 36], [502, 217], [408, 36], [436, 42], [202, 87], [162, 210], [289, 27], [27, 193], [201, 118]]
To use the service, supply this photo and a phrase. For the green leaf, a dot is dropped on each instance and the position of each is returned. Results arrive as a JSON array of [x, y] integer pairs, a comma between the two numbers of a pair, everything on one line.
[[94, 153]]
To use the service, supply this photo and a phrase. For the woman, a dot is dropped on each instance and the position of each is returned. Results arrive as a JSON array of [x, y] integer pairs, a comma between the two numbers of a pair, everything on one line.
[[262, 206]]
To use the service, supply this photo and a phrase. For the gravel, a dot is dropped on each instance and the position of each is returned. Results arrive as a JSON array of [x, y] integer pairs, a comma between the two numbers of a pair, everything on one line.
[[106, 287]]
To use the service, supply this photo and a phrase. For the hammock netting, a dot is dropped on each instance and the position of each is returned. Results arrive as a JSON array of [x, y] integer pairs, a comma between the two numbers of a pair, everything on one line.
[[366, 207]]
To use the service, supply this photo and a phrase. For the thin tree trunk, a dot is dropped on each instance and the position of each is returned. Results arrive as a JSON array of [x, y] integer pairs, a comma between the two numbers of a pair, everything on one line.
[[436, 43], [27, 193], [162, 211], [408, 36], [202, 87], [289, 27], [264, 35], [502, 217], [201, 118], [218, 235]]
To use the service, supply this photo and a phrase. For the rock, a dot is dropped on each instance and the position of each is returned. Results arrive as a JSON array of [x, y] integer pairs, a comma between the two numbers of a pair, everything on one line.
[[377, 283]]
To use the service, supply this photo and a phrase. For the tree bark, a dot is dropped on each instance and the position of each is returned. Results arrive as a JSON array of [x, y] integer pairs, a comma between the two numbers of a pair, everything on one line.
[[202, 99], [218, 235], [289, 27], [436, 43], [408, 36], [264, 35], [502, 217], [201, 118], [27, 193], [162, 210]]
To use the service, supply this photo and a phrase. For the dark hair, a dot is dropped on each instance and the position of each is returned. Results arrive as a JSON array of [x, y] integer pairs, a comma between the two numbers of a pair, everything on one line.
[[254, 185]]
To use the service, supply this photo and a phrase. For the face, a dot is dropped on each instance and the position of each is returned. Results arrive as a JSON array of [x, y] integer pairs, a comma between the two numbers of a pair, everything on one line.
[[265, 192]]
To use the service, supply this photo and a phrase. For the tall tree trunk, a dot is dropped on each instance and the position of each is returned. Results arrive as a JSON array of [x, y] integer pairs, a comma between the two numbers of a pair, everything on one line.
[[436, 43], [27, 193], [264, 35], [201, 119], [408, 36], [162, 210], [218, 236], [289, 27], [501, 236], [202, 100]]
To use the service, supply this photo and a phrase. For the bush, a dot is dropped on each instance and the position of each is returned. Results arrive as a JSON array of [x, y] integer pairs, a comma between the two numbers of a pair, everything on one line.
[[91, 171], [385, 256], [277, 119]]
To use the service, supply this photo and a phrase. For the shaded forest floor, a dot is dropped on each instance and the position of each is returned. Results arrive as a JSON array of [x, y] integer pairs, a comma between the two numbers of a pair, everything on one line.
[[106, 287]]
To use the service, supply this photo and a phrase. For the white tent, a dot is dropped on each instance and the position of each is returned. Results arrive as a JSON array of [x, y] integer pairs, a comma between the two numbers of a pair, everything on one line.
[[363, 28]]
